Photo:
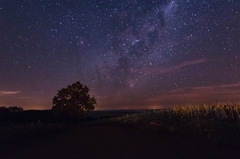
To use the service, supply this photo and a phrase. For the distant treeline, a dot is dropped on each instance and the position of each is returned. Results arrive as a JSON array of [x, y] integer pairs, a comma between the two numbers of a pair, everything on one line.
[[12, 109], [16, 114]]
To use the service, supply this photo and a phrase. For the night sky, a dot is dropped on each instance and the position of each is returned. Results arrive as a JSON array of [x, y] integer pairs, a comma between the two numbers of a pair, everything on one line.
[[132, 54]]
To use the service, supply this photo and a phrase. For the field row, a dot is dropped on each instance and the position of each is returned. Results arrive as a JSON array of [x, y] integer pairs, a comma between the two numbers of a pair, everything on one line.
[[218, 123]]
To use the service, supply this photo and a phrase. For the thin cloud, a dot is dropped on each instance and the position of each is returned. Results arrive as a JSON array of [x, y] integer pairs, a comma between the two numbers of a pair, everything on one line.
[[228, 88], [160, 70], [2, 93], [198, 95]]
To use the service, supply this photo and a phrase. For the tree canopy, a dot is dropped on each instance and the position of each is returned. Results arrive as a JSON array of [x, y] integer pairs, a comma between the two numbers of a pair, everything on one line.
[[12, 109], [73, 101]]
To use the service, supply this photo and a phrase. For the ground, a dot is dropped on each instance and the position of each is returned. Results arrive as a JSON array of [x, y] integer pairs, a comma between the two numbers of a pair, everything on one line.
[[112, 142]]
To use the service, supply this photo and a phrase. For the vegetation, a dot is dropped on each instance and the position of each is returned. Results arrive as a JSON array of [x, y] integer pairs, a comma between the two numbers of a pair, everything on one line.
[[26, 117], [22, 131], [73, 101], [13, 109], [219, 123]]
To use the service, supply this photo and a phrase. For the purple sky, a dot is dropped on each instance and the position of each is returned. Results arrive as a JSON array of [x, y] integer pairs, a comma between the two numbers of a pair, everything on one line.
[[132, 54]]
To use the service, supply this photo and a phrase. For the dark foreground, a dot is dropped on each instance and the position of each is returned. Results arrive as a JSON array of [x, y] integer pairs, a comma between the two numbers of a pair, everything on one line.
[[112, 142]]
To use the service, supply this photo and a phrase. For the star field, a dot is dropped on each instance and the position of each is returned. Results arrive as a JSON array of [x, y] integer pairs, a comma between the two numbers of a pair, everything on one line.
[[132, 54]]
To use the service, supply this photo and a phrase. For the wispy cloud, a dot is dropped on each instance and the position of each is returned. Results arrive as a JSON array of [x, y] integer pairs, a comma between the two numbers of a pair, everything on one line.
[[2, 93], [159, 70], [198, 95], [218, 89]]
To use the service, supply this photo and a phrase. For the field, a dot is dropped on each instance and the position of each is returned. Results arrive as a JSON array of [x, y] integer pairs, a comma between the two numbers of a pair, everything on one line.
[[206, 131], [216, 123]]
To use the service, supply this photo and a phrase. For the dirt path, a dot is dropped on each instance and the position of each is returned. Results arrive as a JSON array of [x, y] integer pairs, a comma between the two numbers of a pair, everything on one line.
[[111, 142]]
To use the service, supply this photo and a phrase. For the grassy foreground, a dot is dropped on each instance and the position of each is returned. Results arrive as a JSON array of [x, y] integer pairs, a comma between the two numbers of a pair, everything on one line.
[[17, 132], [218, 123]]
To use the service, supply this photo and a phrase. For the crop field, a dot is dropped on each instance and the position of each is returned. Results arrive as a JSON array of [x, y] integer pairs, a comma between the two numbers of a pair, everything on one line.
[[218, 123], [207, 131]]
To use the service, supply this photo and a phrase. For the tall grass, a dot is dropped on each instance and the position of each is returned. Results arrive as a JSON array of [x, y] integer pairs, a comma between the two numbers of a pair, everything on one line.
[[221, 112], [220, 122]]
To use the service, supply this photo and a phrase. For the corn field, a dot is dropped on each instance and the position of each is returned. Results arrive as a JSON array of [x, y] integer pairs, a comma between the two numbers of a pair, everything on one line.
[[218, 112], [220, 122], [221, 112]]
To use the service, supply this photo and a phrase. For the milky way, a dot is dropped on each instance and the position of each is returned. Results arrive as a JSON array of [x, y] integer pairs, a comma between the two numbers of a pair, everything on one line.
[[132, 54]]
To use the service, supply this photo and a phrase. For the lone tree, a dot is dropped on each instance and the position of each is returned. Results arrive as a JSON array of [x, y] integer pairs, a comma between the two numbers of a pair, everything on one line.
[[73, 101]]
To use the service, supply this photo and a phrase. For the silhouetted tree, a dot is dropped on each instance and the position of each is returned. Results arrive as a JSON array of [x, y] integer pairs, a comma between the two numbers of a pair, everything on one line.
[[10, 114], [12, 109], [3, 110], [15, 109], [73, 101]]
